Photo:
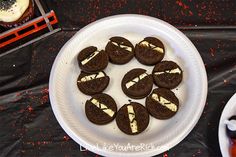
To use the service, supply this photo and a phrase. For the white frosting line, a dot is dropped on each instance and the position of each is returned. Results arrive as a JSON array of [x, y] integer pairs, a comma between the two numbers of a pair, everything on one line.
[[172, 71], [92, 77], [164, 102], [135, 80], [89, 58], [114, 43], [133, 122], [123, 46], [156, 48], [103, 107], [15, 12], [159, 49]]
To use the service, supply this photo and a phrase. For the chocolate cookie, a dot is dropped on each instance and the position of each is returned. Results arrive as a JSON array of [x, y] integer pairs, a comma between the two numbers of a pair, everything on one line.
[[167, 74], [150, 51], [119, 50], [101, 109], [162, 103], [94, 83], [132, 118], [91, 60], [137, 83]]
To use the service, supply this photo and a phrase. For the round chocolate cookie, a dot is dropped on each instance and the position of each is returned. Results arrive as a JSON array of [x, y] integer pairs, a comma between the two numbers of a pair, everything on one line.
[[162, 103], [94, 83], [119, 50], [91, 60], [167, 74], [150, 51], [101, 109], [132, 118], [137, 84]]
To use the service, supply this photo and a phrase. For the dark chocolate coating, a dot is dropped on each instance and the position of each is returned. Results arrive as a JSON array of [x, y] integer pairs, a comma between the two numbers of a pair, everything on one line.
[[97, 115], [231, 134], [141, 116], [96, 64], [117, 54], [94, 86], [139, 90], [156, 109], [167, 80], [148, 56]]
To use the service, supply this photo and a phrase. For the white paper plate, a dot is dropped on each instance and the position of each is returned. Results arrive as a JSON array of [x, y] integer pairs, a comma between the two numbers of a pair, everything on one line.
[[68, 102], [229, 111]]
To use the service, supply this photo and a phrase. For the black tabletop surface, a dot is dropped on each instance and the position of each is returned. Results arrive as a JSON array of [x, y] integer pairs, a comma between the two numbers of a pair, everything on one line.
[[28, 126]]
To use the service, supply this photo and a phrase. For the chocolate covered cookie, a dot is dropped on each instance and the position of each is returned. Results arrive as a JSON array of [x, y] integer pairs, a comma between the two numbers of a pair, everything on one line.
[[92, 83], [91, 60], [132, 118], [119, 50], [162, 103], [150, 51], [137, 83], [167, 74], [101, 109]]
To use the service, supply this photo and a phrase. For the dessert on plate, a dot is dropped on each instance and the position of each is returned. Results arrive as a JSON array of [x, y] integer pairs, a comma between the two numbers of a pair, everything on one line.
[[149, 51], [132, 118], [93, 83], [101, 109], [120, 50], [15, 12], [167, 74], [162, 103], [92, 60], [137, 83]]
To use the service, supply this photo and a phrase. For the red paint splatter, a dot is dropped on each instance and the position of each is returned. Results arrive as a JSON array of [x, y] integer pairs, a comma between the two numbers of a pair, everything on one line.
[[186, 7], [203, 7], [179, 3], [212, 52], [38, 143], [44, 90], [209, 12], [185, 10], [190, 13], [165, 155], [66, 138], [45, 142], [17, 97], [18, 94], [29, 108], [44, 99]]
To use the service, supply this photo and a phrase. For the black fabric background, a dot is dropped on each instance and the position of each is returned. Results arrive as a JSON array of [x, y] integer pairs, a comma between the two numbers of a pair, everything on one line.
[[28, 127]]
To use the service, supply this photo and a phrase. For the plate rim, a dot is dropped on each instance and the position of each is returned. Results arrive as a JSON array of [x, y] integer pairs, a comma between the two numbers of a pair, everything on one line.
[[152, 152]]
